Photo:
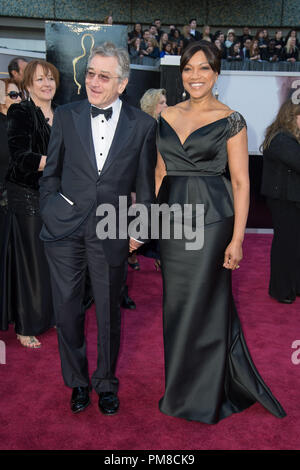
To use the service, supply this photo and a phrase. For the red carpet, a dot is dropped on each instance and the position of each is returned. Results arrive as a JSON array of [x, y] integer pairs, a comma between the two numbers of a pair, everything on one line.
[[34, 403]]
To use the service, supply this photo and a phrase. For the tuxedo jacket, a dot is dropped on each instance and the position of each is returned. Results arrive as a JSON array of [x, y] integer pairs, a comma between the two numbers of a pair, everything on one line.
[[281, 168], [71, 170]]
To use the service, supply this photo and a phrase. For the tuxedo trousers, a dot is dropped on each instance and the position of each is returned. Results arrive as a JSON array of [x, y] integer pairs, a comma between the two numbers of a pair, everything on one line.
[[69, 260]]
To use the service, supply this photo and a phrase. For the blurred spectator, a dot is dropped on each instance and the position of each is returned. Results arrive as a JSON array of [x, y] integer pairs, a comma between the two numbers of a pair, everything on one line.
[[16, 70], [167, 50], [246, 48], [279, 42], [292, 34], [235, 53], [193, 32], [108, 20], [262, 44], [290, 52], [246, 35], [164, 39], [254, 50], [153, 32], [221, 37], [187, 37], [177, 47], [135, 48], [160, 32], [206, 34], [175, 35], [230, 38], [154, 101], [221, 48], [146, 37], [152, 49], [135, 33], [266, 35], [171, 29], [273, 54]]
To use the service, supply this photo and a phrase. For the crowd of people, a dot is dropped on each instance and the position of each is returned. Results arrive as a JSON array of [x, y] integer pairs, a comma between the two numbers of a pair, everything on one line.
[[154, 42], [49, 195]]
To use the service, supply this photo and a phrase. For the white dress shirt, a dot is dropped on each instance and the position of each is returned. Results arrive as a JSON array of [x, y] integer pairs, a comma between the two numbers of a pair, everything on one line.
[[103, 132]]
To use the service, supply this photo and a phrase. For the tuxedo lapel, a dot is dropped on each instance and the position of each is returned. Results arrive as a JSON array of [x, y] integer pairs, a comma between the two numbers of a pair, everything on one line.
[[123, 131], [82, 121]]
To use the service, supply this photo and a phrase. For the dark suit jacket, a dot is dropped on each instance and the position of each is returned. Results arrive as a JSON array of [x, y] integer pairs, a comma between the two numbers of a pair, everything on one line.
[[281, 168], [71, 169]]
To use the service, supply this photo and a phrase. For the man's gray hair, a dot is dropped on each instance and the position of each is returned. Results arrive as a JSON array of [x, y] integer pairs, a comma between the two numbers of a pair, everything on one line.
[[108, 49]]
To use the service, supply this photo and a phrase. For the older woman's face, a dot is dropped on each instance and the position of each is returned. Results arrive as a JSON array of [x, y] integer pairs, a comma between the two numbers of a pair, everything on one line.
[[43, 85], [162, 104], [198, 77], [12, 95]]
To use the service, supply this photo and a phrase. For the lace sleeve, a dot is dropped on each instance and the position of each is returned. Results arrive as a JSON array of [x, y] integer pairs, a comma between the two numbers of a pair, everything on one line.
[[236, 124]]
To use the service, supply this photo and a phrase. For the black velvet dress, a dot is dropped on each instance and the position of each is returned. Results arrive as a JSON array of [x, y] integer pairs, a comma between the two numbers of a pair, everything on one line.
[[209, 373], [4, 159], [25, 286]]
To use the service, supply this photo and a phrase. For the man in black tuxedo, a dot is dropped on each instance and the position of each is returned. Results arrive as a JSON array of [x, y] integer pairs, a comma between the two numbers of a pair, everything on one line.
[[100, 148]]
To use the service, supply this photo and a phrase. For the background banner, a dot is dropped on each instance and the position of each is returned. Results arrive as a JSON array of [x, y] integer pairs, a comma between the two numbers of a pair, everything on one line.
[[68, 48]]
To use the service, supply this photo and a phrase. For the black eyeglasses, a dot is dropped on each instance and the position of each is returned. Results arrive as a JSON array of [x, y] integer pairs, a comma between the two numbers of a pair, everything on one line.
[[14, 95]]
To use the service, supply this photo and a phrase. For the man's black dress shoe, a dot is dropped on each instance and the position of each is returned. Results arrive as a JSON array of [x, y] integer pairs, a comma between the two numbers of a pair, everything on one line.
[[80, 399], [127, 302], [108, 403]]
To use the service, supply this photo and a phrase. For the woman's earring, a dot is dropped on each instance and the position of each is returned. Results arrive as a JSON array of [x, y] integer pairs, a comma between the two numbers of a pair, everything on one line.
[[184, 95], [216, 91]]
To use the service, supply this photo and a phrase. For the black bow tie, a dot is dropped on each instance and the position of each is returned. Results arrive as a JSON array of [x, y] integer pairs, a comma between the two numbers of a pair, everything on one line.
[[107, 112]]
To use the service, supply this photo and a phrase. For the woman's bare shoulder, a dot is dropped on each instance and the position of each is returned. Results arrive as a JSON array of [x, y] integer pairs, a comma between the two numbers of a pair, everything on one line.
[[224, 109], [171, 112]]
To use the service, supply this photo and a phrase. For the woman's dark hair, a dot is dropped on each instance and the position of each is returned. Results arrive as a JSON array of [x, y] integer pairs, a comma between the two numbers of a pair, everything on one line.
[[284, 121], [210, 50]]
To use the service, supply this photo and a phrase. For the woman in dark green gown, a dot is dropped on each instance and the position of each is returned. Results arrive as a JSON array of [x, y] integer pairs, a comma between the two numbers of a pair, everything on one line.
[[209, 373]]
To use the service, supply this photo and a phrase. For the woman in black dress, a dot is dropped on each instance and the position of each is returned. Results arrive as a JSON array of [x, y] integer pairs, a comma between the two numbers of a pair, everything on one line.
[[281, 185], [9, 94], [29, 127], [209, 373]]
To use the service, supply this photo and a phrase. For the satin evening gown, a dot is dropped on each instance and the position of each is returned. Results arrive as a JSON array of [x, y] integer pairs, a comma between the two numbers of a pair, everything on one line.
[[209, 373]]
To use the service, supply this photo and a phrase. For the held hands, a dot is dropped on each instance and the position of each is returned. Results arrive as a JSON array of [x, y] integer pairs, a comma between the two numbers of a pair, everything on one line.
[[134, 245], [233, 255]]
